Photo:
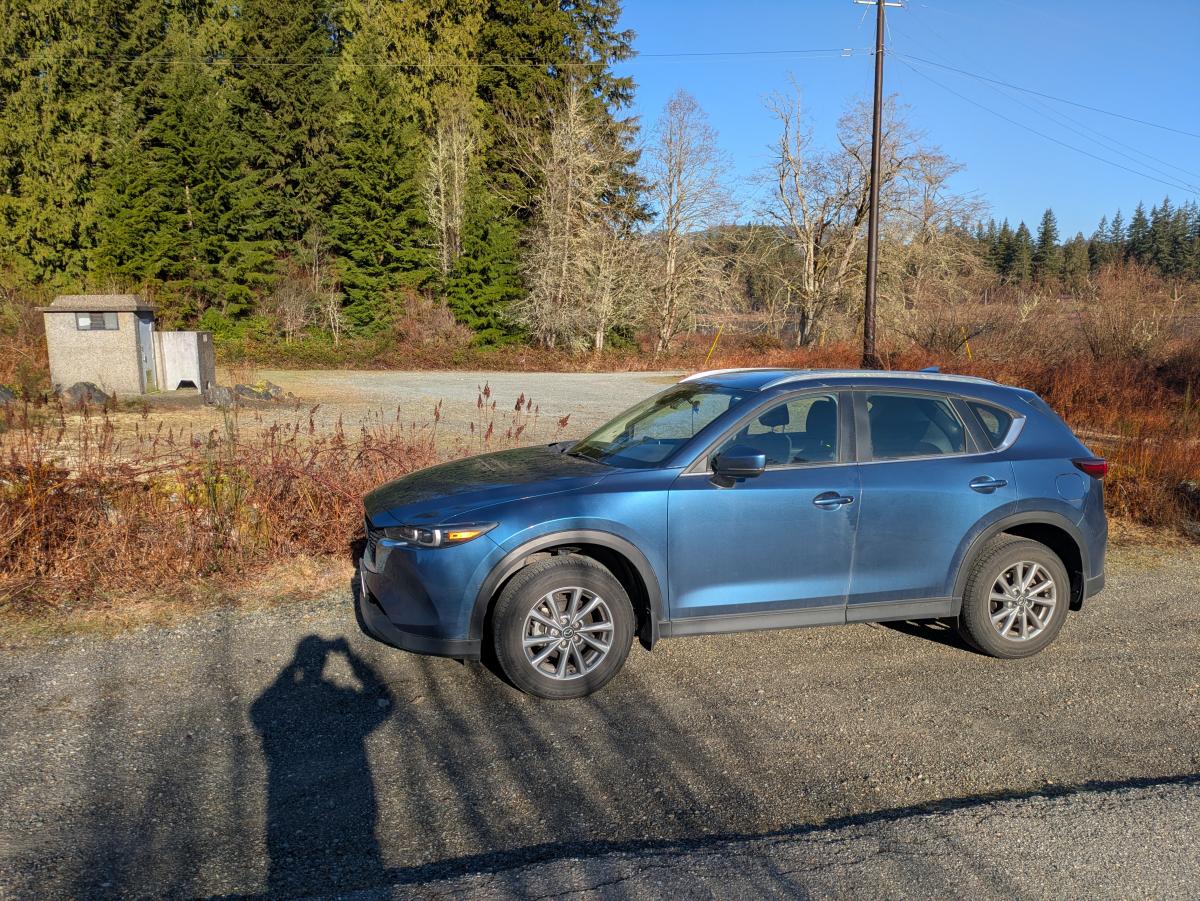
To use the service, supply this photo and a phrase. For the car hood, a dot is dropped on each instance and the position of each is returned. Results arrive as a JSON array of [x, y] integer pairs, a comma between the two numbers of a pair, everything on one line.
[[453, 489]]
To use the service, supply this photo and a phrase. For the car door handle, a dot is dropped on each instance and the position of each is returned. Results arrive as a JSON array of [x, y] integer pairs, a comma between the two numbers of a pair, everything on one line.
[[831, 500], [986, 484]]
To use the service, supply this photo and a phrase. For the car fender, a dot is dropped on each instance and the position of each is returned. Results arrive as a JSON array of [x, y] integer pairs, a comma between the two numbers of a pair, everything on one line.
[[510, 563], [1001, 519]]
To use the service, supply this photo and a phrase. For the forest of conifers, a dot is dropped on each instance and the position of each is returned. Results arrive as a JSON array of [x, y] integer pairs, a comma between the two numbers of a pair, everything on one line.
[[312, 170]]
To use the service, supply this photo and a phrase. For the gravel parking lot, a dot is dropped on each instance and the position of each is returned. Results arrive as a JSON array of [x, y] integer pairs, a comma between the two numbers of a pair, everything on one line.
[[589, 398], [279, 753]]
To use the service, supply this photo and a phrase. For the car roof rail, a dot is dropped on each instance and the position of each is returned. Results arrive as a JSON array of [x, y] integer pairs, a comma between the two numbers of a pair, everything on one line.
[[868, 374], [703, 375]]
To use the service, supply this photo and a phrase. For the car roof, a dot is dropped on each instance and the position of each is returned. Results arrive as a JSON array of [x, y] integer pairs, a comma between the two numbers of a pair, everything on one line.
[[752, 379]]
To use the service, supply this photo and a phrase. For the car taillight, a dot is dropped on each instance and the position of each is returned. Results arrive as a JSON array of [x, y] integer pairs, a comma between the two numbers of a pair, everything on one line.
[[1096, 467]]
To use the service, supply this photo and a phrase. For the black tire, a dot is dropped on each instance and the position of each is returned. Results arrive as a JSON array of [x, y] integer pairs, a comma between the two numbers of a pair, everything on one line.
[[524, 591], [975, 619]]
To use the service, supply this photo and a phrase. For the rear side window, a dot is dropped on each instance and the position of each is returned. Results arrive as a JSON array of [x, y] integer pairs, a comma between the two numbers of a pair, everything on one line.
[[913, 425], [994, 420]]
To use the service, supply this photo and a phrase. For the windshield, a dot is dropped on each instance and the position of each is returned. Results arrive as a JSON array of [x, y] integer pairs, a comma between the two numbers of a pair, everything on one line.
[[647, 434]]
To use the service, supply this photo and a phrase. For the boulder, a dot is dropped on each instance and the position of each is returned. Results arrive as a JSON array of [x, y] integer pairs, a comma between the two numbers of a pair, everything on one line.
[[221, 396], [271, 388], [6, 396], [251, 392], [83, 393]]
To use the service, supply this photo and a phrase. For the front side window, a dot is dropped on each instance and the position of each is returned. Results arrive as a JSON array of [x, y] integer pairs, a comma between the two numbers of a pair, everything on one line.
[[96, 322], [647, 434], [798, 430], [913, 425]]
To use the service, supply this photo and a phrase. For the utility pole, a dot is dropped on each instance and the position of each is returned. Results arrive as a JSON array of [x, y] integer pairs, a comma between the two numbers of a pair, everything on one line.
[[870, 359]]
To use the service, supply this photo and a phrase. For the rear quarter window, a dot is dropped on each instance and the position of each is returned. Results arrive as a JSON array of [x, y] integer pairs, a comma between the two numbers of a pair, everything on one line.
[[995, 421]]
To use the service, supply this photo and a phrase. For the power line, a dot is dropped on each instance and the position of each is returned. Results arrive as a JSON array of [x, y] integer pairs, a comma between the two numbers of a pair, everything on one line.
[[1057, 115], [691, 53], [1179, 186], [381, 60], [1015, 87]]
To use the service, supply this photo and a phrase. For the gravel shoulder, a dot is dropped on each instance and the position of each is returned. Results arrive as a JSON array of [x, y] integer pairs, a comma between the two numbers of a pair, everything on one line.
[[280, 753]]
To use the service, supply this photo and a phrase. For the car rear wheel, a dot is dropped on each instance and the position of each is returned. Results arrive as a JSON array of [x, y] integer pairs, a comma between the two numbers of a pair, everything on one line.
[[562, 627], [1016, 598]]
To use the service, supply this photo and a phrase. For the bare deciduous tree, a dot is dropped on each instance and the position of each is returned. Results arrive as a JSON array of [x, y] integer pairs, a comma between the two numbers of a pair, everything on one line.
[[931, 270], [324, 294], [578, 245], [289, 304], [451, 152], [819, 202], [687, 171]]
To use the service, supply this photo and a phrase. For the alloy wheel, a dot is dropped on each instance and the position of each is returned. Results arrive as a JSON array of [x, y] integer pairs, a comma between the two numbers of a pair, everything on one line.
[[1023, 601], [567, 633]]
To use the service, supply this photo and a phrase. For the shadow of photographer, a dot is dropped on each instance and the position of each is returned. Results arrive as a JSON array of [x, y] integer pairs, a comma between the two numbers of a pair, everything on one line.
[[321, 802]]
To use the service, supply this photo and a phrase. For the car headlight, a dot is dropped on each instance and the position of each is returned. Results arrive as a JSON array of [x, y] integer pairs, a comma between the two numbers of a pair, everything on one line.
[[437, 536]]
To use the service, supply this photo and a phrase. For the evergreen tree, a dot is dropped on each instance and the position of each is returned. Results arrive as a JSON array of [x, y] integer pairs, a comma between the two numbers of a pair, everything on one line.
[[486, 280], [161, 201], [1169, 239], [1020, 270], [58, 80], [1076, 263], [1001, 254], [1047, 257], [1100, 248], [1137, 242], [1117, 236], [378, 223], [283, 96]]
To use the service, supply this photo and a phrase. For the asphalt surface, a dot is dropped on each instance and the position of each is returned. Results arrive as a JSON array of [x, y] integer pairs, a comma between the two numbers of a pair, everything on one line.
[[256, 754]]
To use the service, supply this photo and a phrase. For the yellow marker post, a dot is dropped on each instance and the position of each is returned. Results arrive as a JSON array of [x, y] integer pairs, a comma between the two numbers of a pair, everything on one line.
[[716, 338]]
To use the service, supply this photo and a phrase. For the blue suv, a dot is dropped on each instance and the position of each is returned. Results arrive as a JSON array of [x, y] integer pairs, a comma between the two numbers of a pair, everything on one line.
[[743, 499]]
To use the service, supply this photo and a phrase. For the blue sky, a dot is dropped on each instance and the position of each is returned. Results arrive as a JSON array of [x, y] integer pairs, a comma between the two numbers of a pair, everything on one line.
[[1128, 57]]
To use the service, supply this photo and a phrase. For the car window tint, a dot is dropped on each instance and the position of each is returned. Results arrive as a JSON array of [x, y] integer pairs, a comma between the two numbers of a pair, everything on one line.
[[995, 421], [798, 430], [913, 425]]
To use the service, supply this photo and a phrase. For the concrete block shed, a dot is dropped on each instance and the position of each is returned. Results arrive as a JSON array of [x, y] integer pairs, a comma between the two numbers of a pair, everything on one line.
[[110, 340]]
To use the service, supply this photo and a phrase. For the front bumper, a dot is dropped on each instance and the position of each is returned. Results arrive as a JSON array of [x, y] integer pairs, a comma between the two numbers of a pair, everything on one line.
[[421, 600], [375, 623]]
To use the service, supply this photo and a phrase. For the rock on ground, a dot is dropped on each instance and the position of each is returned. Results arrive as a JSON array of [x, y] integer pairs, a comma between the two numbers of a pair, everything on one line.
[[83, 393]]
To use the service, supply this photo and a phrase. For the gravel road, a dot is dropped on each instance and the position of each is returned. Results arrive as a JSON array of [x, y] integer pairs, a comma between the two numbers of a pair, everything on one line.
[[1122, 842], [278, 753]]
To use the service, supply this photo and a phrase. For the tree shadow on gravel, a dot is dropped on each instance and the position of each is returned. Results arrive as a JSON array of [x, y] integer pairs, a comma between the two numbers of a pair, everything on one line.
[[321, 805]]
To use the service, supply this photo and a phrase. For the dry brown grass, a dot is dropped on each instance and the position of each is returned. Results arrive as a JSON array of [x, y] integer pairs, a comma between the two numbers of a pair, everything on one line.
[[97, 521]]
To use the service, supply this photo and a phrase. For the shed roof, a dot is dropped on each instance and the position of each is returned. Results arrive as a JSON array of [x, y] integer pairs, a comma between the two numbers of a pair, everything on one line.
[[98, 303]]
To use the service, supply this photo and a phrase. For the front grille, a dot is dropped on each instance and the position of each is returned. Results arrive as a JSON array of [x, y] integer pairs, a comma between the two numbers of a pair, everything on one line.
[[373, 536]]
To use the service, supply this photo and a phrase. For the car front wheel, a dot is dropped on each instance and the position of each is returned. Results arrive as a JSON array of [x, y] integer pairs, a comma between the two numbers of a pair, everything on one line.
[[562, 627], [1016, 598]]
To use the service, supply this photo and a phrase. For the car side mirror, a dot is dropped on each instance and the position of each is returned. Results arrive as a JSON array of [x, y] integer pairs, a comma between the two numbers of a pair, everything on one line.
[[739, 462]]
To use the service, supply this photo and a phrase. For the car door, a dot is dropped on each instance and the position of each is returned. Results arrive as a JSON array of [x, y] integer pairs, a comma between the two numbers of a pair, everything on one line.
[[773, 550], [925, 484]]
